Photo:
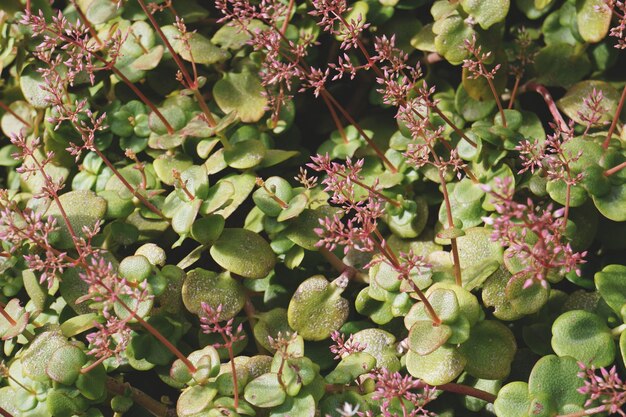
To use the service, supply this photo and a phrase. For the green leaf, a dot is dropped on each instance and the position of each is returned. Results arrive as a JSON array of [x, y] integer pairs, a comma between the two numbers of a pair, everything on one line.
[[65, 364], [450, 34], [195, 400], [265, 391], [556, 379], [78, 324], [439, 367], [100, 11], [244, 253], [37, 356], [351, 367], [83, 209], [612, 205], [32, 85], [525, 300], [489, 350], [34, 289], [593, 18], [486, 12], [583, 336], [213, 289], [317, 308], [245, 154], [381, 345], [611, 284], [559, 64], [513, 400], [572, 103], [241, 93], [425, 337]]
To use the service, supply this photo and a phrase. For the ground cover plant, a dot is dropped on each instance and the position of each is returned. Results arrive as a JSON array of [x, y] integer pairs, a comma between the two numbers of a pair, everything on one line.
[[295, 208]]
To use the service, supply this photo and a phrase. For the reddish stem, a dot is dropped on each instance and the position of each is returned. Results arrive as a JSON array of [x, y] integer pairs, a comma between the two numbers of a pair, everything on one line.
[[7, 317], [87, 23], [514, 92], [125, 80], [336, 120], [140, 398], [12, 113], [618, 112], [365, 136], [615, 169], [191, 83], [5, 413], [283, 29], [130, 188], [545, 94]]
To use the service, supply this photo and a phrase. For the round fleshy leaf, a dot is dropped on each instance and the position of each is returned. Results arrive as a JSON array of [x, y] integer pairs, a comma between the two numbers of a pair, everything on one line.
[[489, 350], [613, 204], [64, 402], [37, 356], [140, 308], [32, 83], [213, 289], [557, 379], [593, 18], [381, 345], [476, 247], [470, 108], [166, 164], [486, 12], [572, 103], [269, 325], [450, 33], [136, 268], [409, 221], [280, 188], [199, 49], [65, 364], [468, 303], [195, 400], [558, 64], [317, 308], [525, 300], [513, 400], [241, 93], [20, 318], [439, 367], [207, 230], [11, 125], [265, 391], [245, 154], [583, 336], [425, 337], [351, 367], [301, 230], [244, 253], [83, 209], [611, 284]]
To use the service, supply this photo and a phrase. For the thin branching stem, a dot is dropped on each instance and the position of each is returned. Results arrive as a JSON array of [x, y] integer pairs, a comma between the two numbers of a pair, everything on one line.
[[616, 116]]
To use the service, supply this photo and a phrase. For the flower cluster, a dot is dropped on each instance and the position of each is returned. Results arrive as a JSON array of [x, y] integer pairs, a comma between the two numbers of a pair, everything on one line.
[[210, 323], [553, 156], [593, 109], [362, 203], [342, 346], [534, 235], [607, 388], [618, 31], [412, 394]]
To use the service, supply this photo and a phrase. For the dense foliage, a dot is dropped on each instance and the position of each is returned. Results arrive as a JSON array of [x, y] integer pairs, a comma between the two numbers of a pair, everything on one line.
[[294, 208]]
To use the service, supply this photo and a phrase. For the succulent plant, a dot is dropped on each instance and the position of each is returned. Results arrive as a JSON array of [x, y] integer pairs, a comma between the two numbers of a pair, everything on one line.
[[312, 208]]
